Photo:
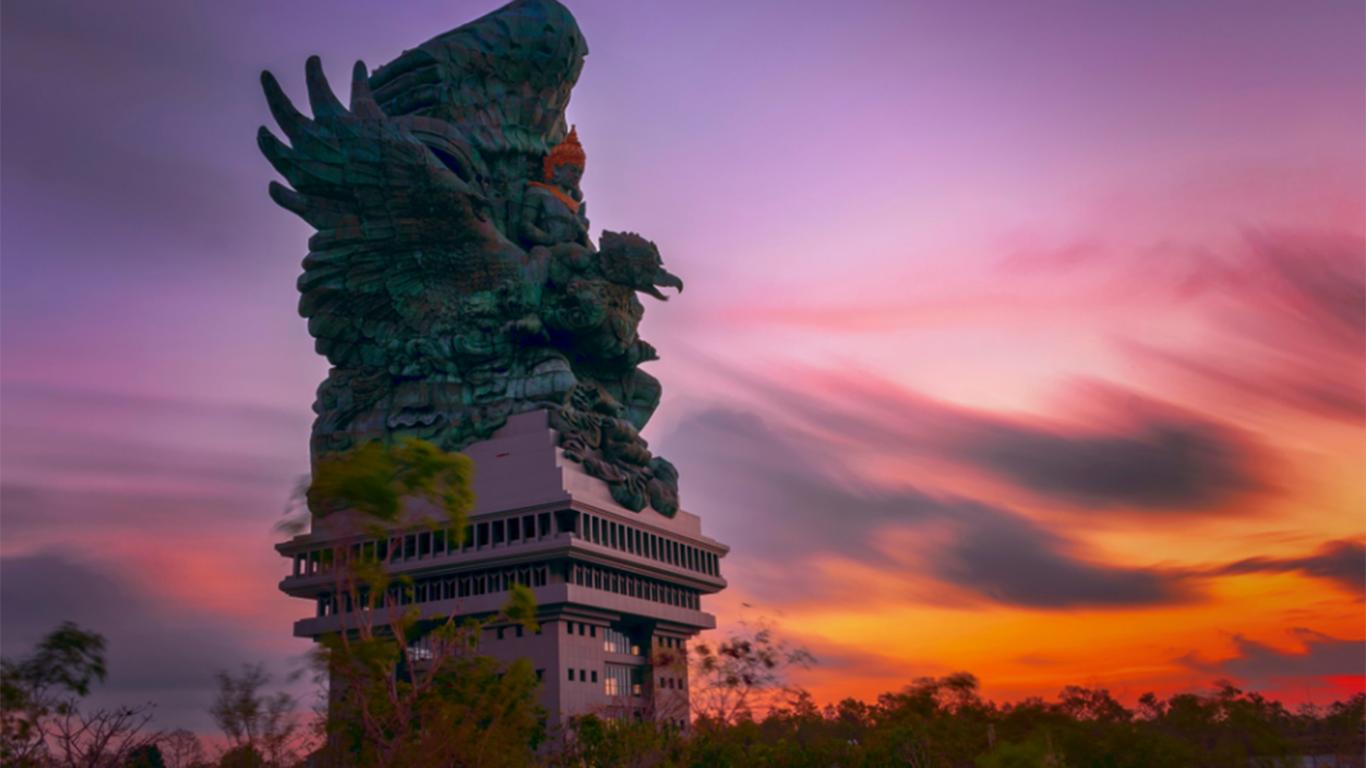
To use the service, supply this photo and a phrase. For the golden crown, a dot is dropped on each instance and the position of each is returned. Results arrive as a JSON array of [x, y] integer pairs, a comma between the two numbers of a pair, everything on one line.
[[568, 151]]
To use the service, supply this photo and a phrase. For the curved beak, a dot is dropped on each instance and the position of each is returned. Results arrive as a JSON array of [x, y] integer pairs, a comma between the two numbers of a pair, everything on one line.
[[663, 278]]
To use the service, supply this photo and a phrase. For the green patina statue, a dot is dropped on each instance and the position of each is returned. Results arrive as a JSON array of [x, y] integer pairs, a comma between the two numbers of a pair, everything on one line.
[[452, 281]]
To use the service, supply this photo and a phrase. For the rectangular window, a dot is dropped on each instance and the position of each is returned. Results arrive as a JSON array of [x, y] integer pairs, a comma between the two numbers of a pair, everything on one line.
[[615, 641], [498, 532], [616, 679], [468, 540], [594, 676], [583, 676], [424, 544], [482, 534], [543, 524], [514, 530], [529, 527], [439, 543], [571, 674]]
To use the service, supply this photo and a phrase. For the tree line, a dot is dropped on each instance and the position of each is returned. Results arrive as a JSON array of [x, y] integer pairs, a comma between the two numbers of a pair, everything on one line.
[[483, 713]]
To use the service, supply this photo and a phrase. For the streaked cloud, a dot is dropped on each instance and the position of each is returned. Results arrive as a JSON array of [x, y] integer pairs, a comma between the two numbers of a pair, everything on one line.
[[1343, 562], [771, 498], [1120, 448], [1316, 659]]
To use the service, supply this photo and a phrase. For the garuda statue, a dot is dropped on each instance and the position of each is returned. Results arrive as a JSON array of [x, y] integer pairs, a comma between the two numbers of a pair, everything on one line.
[[452, 281]]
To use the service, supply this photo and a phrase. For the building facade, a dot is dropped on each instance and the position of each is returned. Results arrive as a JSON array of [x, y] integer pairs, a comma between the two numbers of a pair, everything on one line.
[[618, 593]]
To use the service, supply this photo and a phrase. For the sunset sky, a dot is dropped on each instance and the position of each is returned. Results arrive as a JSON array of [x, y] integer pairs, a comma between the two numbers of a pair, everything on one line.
[[1027, 339]]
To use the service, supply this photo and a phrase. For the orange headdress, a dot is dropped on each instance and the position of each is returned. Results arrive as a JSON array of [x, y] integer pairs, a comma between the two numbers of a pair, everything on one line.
[[568, 151]]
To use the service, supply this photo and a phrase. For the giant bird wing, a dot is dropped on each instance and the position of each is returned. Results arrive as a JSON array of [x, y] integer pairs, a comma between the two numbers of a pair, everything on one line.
[[402, 222]]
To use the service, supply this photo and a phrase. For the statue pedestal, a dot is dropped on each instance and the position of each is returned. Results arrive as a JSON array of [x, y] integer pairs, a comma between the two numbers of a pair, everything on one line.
[[616, 590]]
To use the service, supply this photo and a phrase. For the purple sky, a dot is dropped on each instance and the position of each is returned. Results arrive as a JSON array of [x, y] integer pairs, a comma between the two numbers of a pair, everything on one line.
[[1023, 223]]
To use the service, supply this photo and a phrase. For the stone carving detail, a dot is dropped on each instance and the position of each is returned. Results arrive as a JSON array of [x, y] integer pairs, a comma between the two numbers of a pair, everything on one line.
[[452, 281]]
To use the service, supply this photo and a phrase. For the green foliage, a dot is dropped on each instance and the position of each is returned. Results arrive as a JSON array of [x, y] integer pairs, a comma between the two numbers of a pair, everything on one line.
[[374, 479], [1037, 752], [521, 607], [148, 756], [471, 710], [624, 743], [242, 756], [943, 723]]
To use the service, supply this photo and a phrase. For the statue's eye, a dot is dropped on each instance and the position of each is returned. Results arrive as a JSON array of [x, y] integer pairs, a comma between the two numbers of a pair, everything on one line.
[[448, 160]]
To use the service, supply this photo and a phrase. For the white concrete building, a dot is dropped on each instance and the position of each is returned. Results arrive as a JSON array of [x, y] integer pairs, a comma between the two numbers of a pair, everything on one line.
[[613, 587]]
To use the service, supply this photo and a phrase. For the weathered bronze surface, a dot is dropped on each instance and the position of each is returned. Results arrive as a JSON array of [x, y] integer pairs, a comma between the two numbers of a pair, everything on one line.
[[452, 281]]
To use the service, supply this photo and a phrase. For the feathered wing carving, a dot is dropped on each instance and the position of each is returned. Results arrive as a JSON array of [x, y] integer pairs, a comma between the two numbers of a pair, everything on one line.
[[440, 313], [399, 231]]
